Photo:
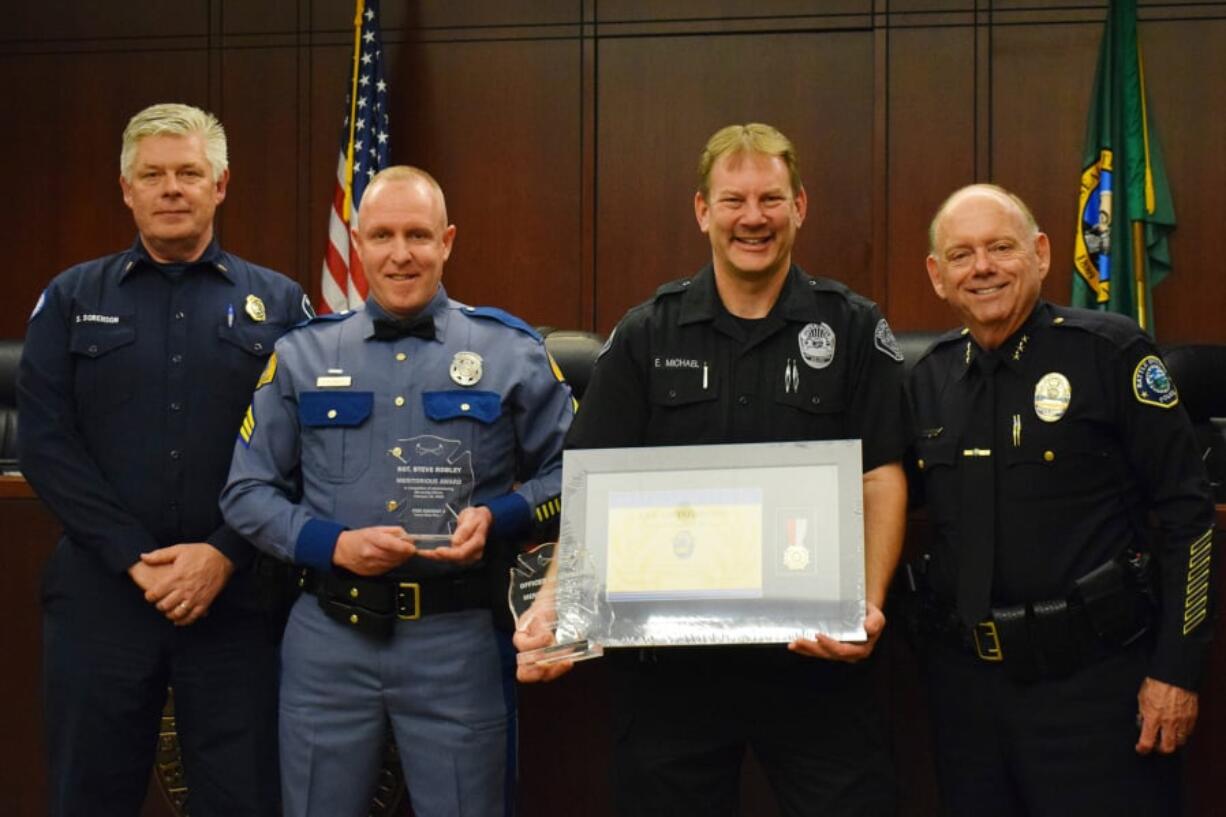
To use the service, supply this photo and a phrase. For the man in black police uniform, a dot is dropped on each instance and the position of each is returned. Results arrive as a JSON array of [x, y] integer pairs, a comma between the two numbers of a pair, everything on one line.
[[1045, 436], [751, 349], [135, 373]]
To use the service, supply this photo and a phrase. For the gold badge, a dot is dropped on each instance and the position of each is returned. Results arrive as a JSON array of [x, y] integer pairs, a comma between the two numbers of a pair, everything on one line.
[[466, 368], [1052, 395], [255, 309]]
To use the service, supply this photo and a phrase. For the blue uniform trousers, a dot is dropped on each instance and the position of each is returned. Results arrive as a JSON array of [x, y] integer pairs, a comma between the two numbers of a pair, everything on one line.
[[108, 658], [444, 682]]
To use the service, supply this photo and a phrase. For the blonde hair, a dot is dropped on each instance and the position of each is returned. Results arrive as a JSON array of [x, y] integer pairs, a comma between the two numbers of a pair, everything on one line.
[[179, 120], [754, 137]]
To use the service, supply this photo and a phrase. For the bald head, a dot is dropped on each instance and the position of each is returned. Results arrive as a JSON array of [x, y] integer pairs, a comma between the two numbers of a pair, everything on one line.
[[988, 190], [409, 174]]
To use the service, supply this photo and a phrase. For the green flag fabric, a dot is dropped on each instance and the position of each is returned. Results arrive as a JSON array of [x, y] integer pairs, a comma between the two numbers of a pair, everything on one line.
[[1124, 212]]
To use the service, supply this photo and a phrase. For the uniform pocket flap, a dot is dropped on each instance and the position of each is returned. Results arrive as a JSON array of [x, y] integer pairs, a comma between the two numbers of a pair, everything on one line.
[[254, 340], [484, 406], [345, 409], [933, 452], [95, 340]]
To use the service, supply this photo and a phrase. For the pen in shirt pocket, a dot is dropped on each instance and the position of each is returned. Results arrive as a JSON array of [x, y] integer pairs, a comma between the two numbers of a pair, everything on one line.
[[229, 316]]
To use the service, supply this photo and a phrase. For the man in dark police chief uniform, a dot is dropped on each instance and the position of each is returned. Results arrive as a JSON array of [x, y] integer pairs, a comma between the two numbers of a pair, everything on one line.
[[134, 375], [752, 349], [372, 436], [1066, 652]]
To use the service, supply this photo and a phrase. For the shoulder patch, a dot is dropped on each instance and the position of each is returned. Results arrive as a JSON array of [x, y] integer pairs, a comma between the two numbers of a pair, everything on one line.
[[886, 343], [38, 307], [1152, 385], [503, 317]]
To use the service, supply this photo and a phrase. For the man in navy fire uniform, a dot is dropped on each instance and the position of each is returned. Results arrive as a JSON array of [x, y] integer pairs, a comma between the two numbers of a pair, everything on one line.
[[135, 372]]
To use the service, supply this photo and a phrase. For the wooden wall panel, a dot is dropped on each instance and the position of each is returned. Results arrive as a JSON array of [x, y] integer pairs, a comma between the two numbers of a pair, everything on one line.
[[1185, 65], [931, 153], [256, 221], [74, 19], [1041, 82], [661, 98], [657, 10], [499, 129]]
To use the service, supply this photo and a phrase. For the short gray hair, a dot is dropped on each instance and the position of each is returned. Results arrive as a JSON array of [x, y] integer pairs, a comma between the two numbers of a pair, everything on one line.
[[179, 120]]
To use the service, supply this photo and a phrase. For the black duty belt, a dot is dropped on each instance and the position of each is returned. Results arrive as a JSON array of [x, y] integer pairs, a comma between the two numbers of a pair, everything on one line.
[[1052, 639], [374, 605]]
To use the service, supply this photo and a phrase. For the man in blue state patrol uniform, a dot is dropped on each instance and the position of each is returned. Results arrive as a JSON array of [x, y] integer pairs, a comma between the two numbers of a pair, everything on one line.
[[135, 373], [398, 454], [1066, 650], [751, 349]]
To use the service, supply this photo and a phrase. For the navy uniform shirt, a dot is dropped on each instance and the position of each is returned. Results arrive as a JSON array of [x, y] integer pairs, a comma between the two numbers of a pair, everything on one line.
[[681, 370], [348, 431], [133, 379], [1087, 439]]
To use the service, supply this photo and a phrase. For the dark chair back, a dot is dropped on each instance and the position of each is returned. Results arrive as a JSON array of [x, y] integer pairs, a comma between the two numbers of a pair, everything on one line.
[[575, 352], [10, 357]]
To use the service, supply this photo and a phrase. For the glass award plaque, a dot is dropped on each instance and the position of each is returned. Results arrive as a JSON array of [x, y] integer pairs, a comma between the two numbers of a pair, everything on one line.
[[720, 544], [434, 482], [566, 610]]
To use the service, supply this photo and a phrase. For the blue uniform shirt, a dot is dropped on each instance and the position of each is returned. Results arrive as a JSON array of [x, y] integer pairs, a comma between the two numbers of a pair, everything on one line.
[[341, 422], [133, 377]]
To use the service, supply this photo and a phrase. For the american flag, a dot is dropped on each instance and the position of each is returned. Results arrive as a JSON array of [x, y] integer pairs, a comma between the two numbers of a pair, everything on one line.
[[364, 151]]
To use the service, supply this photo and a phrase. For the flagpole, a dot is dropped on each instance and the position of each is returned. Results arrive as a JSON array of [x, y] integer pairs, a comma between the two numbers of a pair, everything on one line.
[[1138, 273], [353, 101]]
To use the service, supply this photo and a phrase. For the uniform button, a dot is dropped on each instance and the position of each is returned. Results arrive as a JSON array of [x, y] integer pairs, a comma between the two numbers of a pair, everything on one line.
[[672, 392], [815, 400], [920, 463], [392, 505], [176, 358], [93, 350], [179, 316], [743, 400], [353, 592], [464, 407], [685, 283], [397, 451], [401, 356], [331, 414], [175, 454], [399, 401], [176, 406], [353, 618], [1048, 456], [259, 347]]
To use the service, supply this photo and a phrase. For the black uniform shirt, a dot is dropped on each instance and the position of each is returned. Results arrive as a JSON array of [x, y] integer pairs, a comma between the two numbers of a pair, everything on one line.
[[681, 370], [134, 378], [1086, 439]]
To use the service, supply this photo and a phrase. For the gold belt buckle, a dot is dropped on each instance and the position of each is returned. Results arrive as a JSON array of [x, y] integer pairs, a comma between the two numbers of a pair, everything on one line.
[[401, 612], [987, 641]]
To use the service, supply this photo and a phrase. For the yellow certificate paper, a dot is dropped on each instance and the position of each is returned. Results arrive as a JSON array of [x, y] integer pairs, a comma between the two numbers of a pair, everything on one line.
[[679, 544]]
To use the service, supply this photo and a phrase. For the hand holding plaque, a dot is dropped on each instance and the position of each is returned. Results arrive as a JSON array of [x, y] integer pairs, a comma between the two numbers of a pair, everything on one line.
[[555, 605]]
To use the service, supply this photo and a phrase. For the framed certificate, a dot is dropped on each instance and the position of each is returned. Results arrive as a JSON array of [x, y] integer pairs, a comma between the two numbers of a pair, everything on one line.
[[719, 544]]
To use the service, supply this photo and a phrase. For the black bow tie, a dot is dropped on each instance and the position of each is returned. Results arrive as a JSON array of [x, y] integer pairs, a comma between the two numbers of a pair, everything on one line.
[[418, 327]]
